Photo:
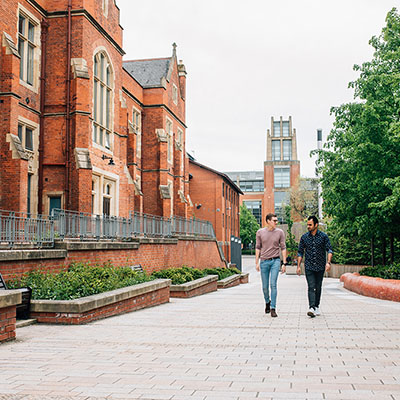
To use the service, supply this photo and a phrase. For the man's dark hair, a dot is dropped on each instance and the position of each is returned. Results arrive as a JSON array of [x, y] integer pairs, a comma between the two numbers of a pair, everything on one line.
[[313, 218], [269, 217]]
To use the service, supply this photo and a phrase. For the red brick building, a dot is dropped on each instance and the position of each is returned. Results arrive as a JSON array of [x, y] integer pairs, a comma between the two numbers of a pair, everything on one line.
[[216, 198], [80, 128]]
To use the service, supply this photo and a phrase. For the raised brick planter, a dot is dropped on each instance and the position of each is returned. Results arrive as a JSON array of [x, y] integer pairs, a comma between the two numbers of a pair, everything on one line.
[[230, 281], [244, 278], [195, 288], [91, 308], [8, 302], [385, 289]]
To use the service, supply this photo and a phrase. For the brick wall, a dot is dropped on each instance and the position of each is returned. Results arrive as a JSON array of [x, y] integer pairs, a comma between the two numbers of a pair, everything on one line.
[[153, 255], [153, 298], [7, 323]]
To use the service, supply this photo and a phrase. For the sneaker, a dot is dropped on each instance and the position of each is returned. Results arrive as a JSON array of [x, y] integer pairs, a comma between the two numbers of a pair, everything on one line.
[[267, 307], [317, 312], [311, 312], [273, 312]]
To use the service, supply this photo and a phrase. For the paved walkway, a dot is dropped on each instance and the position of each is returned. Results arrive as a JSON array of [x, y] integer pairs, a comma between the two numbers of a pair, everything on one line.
[[216, 346]]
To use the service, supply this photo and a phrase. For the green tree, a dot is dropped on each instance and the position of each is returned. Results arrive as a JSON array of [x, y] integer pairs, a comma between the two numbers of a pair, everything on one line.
[[248, 226], [359, 163], [291, 244]]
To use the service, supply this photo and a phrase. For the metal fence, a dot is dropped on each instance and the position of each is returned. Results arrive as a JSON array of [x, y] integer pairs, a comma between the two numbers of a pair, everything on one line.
[[21, 228], [73, 224]]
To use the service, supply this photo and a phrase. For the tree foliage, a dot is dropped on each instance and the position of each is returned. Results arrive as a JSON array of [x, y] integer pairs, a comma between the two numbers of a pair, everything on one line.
[[360, 164], [248, 226], [304, 197]]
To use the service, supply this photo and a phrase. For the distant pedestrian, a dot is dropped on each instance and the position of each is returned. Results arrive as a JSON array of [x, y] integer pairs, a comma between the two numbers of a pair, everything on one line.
[[269, 242], [315, 245]]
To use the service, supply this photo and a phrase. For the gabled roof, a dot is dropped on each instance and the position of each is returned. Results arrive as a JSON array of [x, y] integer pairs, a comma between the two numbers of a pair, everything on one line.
[[221, 174], [149, 73]]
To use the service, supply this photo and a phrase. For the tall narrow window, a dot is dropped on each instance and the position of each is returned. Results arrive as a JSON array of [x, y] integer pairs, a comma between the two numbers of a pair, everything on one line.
[[287, 150], [276, 150], [170, 135], [102, 101], [285, 128], [277, 128], [29, 190], [26, 48]]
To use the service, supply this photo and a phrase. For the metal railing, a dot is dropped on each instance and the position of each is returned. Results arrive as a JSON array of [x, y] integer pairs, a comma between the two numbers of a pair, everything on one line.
[[73, 224], [21, 228], [192, 227]]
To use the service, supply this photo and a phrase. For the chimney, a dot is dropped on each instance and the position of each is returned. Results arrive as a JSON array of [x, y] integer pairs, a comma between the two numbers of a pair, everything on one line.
[[182, 78]]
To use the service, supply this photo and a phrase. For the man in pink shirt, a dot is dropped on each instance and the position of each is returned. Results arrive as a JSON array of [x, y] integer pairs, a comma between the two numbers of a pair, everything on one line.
[[269, 242]]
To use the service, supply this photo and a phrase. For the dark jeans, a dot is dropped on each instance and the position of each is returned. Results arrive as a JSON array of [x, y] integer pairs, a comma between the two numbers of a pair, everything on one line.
[[314, 281]]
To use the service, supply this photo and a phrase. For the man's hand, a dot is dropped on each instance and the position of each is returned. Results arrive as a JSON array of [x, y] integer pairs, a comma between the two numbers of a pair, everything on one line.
[[328, 267], [283, 270], [258, 267], [298, 270]]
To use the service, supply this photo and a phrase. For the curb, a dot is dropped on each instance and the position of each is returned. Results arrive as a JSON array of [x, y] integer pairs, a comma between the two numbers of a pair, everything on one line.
[[384, 289]]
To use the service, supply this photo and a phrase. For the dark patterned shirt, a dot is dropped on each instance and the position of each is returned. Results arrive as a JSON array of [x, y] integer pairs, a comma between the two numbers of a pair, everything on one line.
[[315, 248]]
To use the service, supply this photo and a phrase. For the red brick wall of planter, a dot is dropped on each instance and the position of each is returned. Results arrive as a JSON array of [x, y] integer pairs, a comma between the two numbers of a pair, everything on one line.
[[135, 303], [152, 256], [209, 287], [7, 323], [385, 289]]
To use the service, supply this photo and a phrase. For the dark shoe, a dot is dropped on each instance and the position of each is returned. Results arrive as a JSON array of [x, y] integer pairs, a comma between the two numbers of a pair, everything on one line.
[[273, 312], [267, 307]]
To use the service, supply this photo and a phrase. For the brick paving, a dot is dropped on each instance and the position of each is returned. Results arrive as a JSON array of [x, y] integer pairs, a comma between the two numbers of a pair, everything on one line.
[[216, 346]]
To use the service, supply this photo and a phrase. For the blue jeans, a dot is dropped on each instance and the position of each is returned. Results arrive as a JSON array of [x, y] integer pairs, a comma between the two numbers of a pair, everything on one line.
[[270, 269]]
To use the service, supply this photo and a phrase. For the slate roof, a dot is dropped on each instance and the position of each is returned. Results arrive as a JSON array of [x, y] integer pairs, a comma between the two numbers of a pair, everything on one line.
[[148, 72]]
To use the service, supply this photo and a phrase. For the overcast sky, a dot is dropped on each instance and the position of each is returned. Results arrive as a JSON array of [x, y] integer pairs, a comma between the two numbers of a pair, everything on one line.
[[250, 60]]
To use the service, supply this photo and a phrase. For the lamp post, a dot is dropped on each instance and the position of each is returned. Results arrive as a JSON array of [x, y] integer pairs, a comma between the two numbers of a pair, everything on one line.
[[319, 144]]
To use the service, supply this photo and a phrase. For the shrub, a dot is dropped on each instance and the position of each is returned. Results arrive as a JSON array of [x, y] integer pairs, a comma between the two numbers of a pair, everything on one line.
[[182, 275], [380, 271], [79, 280], [221, 272]]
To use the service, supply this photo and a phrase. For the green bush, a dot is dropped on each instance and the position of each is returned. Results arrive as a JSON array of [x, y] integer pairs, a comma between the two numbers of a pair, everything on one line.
[[380, 271], [182, 275], [79, 280], [221, 272]]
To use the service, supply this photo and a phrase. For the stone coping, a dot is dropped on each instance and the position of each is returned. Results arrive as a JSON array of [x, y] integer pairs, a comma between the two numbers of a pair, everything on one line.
[[93, 245], [29, 254], [10, 298], [228, 280], [243, 275], [384, 289], [188, 286], [155, 240], [89, 303]]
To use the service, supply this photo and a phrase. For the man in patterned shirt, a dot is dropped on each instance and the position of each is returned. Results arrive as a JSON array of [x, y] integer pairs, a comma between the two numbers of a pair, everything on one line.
[[315, 244]]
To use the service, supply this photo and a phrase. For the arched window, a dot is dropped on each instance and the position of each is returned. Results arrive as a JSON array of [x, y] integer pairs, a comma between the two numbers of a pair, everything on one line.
[[102, 100]]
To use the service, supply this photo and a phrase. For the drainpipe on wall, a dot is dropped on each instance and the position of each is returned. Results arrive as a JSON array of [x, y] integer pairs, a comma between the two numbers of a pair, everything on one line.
[[43, 42], [68, 116]]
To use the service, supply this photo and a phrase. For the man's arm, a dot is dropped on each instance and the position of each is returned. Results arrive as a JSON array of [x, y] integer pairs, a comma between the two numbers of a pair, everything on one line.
[[330, 253], [284, 256], [300, 254], [257, 259]]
